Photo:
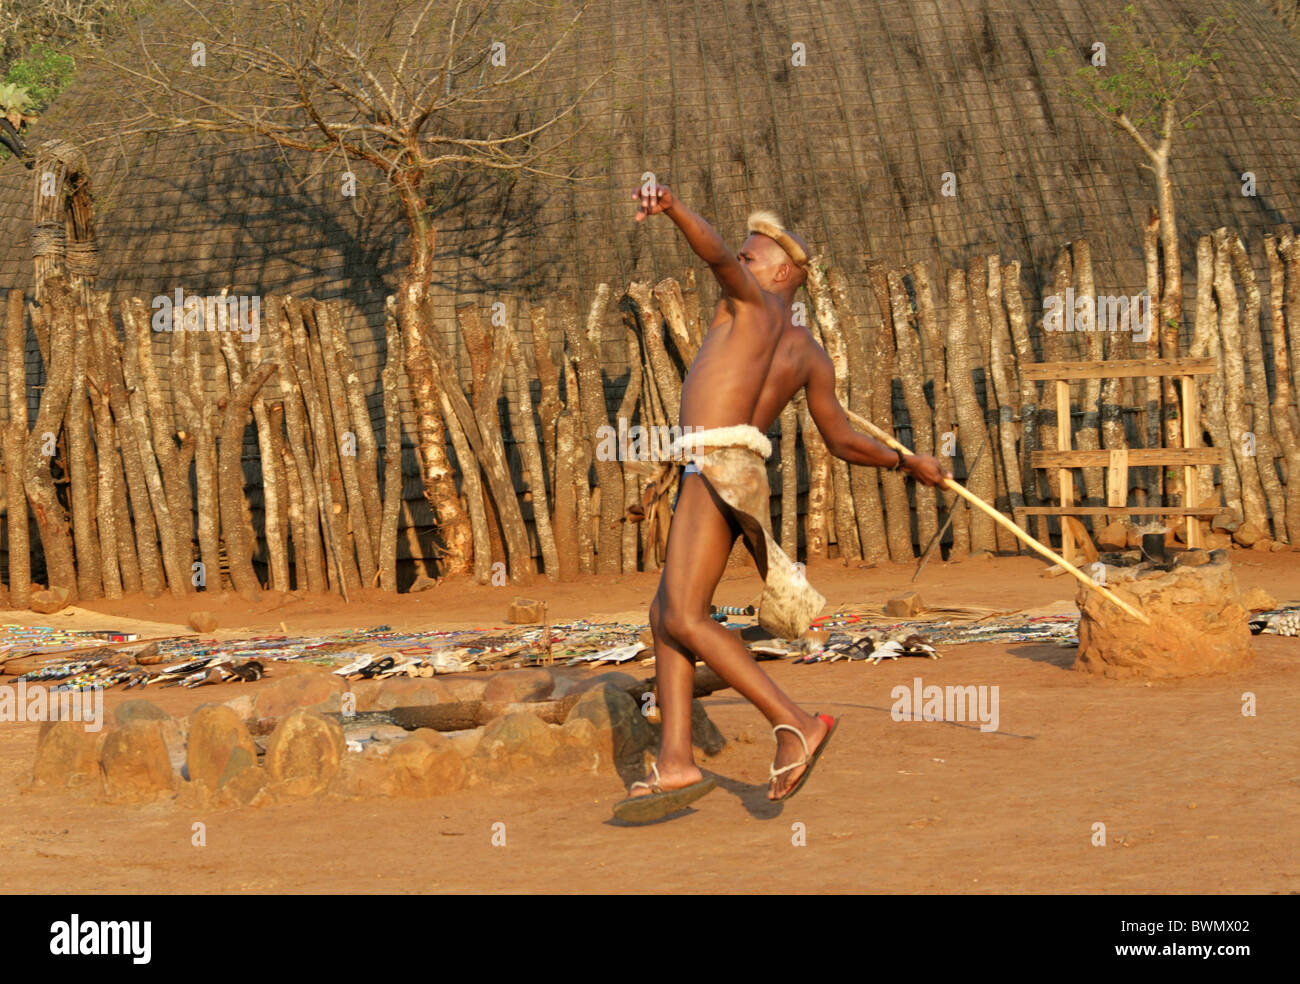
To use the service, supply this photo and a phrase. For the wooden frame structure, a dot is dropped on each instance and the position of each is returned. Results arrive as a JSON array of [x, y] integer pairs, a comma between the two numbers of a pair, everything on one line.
[[1117, 461]]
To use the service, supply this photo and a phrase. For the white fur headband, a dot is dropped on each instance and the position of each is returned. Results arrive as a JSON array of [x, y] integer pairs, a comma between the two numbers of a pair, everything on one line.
[[766, 223]]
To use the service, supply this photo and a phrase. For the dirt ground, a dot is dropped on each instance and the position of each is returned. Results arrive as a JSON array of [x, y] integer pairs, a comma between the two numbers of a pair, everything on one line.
[[1195, 797]]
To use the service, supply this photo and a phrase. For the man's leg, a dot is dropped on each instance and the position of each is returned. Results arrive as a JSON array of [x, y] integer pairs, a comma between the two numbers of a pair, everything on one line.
[[703, 533]]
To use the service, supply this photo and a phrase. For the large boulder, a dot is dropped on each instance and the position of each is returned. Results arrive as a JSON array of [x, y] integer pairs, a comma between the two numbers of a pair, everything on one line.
[[135, 765], [411, 692], [516, 742], [426, 764], [304, 753], [67, 755], [514, 686], [216, 733], [1198, 623], [622, 732], [282, 696]]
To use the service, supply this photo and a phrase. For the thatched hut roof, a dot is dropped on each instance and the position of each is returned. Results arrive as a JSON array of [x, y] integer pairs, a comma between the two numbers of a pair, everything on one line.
[[850, 148]]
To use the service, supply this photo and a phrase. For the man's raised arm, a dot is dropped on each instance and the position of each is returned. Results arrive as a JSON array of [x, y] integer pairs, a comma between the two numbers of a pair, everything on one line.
[[737, 283]]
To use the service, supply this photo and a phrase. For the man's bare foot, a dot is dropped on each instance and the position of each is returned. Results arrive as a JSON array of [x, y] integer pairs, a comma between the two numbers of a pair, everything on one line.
[[670, 777], [789, 750]]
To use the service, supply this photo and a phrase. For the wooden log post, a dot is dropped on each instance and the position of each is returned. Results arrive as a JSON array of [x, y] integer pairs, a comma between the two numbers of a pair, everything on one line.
[[430, 440], [832, 339], [115, 509], [566, 497], [1088, 437], [20, 556], [134, 438], [978, 285], [1004, 394], [1149, 389], [789, 482], [582, 455], [153, 416], [1289, 247], [367, 456], [585, 344], [934, 363], [1029, 399], [478, 347], [270, 438], [92, 564], [631, 479], [230, 468], [325, 441], [668, 295], [1252, 492], [51, 517], [548, 404], [819, 484], [1287, 434], [390, 381], [347, 443], [309, 552], [874, 374], [969, 415], [912, 375], [1205, 342], [1265, 441], [1054, 350], [491, 452]]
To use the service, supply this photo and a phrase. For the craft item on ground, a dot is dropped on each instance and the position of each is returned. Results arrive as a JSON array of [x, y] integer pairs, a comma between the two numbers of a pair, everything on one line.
[[1283, 622]]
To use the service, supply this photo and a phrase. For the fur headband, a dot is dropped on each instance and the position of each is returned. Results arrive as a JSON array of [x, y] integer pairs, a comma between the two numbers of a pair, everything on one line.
[[766, 223]]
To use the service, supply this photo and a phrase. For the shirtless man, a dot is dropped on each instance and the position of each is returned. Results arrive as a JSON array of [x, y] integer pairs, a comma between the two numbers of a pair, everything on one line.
[[753, 361]]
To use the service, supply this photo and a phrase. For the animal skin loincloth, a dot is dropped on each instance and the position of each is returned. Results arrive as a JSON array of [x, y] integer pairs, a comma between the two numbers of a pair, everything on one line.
[[731, 461]]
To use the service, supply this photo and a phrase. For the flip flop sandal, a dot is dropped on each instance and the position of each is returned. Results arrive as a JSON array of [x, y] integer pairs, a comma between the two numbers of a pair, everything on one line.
[[660, 802], [773, 772]]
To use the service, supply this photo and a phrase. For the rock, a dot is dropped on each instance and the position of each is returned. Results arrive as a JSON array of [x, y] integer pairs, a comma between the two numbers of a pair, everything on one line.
[[622, 732], [1225, 522], [1192, 558], [1114, 536], [135, 764], [279, 697], [243, 783], [904, 605], [138, 710], [1258, 600], [67, 755], [423, 583], [1263, 545], [525, 611], [50, 600], [1217, 541], [149, 655], [304, 753], [426, 764], [1247, 533], [519, 685], [616, 678], [464, 687], [1198, 624], [216, 733], [1278, 545], [517, 742], [242, 706], [465, 742], [202, 622], [1133, 539], [411, 692]]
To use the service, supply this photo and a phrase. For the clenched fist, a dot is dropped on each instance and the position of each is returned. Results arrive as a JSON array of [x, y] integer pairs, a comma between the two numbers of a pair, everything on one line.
[[925, 469], [654, 199]]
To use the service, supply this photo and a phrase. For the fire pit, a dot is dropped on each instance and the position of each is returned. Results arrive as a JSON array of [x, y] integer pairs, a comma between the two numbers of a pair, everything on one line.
[[1198, 623]]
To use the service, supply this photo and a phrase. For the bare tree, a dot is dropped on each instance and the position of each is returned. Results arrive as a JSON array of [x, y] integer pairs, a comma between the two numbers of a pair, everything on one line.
[[412, 92], [1138, 80]]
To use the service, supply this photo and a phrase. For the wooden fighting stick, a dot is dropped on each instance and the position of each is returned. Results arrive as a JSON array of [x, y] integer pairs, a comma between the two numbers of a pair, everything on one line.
[[1002, 520]]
